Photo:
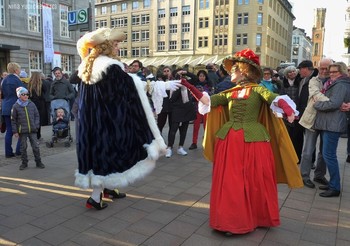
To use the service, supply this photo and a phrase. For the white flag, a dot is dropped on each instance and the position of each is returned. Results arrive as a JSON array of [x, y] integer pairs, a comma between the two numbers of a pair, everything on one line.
[[47, 34]]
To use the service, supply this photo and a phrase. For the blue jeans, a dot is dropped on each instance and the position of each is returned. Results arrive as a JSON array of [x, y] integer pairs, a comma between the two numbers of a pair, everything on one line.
[[8, 138], [329, 151]]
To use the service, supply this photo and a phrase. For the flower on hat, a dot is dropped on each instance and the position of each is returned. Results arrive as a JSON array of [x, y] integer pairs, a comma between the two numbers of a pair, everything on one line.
[[21, 90], [246, 55]]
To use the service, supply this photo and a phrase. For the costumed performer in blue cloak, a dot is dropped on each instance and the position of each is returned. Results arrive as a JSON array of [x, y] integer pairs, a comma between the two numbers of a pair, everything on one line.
[[118, 138]]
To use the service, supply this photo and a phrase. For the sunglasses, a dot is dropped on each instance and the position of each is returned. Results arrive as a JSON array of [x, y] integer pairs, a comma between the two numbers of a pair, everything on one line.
[[25, 94]]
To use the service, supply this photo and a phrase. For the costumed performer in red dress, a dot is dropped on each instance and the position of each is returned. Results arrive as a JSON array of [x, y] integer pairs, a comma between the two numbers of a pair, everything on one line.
[[118, 138], [250, 148]]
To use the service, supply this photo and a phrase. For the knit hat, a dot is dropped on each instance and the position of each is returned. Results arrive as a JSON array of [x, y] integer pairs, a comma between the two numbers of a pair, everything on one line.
[[23, 74], [21, 90]]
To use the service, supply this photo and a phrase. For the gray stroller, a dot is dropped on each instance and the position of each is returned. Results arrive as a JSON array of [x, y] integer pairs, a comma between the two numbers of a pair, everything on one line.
[[60, 128]]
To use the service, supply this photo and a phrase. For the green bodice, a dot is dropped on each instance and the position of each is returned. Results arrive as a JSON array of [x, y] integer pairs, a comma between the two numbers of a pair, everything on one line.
[[244, 113]]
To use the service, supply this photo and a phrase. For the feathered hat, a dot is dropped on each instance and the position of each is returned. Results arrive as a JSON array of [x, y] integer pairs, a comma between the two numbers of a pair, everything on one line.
[[91, 39], [246, 55]]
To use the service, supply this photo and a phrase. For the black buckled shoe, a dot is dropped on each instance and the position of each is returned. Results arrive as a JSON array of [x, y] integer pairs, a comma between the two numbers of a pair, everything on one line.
[[113, 194], [330, 193], [323, 187], [92, 203], [193, 146], [322, 181], [308, 183]]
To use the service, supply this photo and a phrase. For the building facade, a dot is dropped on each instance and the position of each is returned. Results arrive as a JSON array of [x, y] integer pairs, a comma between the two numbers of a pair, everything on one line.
[[301, 46], [192, 32], [318, 33], [21, 35]]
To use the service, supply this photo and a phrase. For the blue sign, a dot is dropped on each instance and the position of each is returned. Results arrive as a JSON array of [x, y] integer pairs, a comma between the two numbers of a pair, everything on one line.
[[76, 17], [72, 18]]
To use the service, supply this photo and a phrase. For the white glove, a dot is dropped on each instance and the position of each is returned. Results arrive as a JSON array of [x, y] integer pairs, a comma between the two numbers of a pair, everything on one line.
[[172, 85]]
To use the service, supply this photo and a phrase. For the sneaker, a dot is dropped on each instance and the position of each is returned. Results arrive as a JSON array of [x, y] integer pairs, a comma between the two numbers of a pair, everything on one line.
[[181, 151], [40, 165], [23, 166], [169, 153], [193, 146]]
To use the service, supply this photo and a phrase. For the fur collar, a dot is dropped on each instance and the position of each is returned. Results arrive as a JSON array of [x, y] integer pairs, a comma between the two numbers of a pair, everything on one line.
[[100, 65]]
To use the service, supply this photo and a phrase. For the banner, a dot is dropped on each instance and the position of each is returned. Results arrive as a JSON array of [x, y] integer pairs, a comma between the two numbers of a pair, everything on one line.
[[47, 34]]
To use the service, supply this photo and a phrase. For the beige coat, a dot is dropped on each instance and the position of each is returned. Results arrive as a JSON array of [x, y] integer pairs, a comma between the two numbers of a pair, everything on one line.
[[315, 94]]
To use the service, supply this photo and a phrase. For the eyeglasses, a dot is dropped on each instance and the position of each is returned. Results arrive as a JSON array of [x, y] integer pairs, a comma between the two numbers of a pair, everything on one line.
[[24, 95], [333, 71]]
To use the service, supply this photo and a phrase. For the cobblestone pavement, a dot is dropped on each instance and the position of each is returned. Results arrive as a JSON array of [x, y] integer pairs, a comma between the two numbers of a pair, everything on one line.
[[42, 207]]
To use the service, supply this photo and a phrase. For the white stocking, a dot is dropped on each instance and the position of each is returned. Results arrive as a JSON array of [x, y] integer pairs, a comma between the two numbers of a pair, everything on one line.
[[96, 194]]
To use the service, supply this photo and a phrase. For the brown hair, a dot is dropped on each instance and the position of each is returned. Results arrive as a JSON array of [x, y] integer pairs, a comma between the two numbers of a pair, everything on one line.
[[249, 72], [35, 84]]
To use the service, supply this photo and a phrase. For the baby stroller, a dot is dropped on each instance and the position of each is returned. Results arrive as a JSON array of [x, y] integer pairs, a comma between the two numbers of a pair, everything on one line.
[[61, 127]]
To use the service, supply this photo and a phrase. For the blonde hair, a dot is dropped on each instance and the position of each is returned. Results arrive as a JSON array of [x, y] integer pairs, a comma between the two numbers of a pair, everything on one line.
[[249, 72], [35, 84], [341, 66], [60, 109], [12, 67], [106, 48]]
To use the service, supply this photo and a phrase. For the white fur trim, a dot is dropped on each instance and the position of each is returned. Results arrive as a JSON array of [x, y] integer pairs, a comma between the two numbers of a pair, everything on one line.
[[115, 180], [100, 65], [277, 110]]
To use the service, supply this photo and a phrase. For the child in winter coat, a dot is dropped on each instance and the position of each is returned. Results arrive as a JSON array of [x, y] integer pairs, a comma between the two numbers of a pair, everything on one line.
[[25, 122]]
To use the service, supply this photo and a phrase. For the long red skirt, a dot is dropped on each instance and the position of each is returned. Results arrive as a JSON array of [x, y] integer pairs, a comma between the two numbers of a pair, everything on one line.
[[244, 190]]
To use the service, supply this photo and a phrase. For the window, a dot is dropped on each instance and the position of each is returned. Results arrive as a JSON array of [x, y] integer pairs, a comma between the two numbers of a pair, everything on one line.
[[135, 36], [144, 19], [173, 11], [296, 40], [172, 45], [114, 9], [135, 4], [146, 3], [121, 21], [204, 22], [246, 1], [123, 52], [2, 13], [239, 18], [103, 10], [95, 11], [261, 1], [67, 63], [185, 44], [103, 23], [161, 13], [258, 39], [124, 7], [161, 29], [203, 4], [34, 16], [144, 51], [135, 20], [226, 20], [245, 38], [220, 40], [202, 42], [97, 24], [161, 45], [113, 23], [64, 21], [185, 27], [245, 18], [239, 2], [260, 19], [35, 61], [144, 35], [238, 39], [135, 52], [186, 10], [173, 28]]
